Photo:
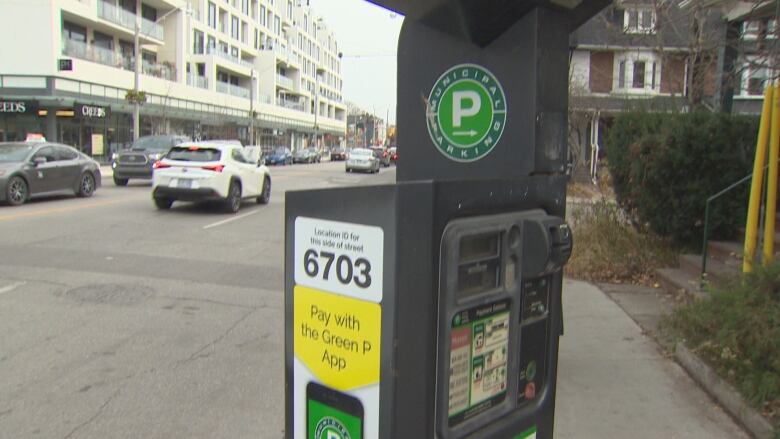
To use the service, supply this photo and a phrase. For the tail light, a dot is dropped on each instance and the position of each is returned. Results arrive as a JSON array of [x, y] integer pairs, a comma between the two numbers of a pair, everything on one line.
[[160, 165], [215, 168]]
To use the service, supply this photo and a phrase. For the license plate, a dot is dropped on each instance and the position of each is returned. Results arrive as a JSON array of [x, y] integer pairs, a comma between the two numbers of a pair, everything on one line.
[[184, 183]]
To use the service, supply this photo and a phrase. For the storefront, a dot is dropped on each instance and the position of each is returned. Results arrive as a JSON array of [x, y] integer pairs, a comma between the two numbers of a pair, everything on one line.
[[18, 118]]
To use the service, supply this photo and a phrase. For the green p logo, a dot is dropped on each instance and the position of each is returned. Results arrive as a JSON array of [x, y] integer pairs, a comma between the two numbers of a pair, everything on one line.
[[466, 113]]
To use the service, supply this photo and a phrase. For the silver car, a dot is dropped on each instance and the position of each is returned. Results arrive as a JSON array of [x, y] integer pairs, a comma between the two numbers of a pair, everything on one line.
[[30, 170], [361, 159]]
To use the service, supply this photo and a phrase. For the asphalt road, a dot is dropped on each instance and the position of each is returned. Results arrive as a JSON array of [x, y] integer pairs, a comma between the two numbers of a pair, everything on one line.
[[122, 321]]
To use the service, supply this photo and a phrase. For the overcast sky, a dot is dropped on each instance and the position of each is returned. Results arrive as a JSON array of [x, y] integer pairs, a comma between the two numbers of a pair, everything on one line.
[[368, 38]]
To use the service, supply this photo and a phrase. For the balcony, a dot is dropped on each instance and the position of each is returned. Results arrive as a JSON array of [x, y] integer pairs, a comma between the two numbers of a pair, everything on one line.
[[290, 104], [265, 99], [126, 19], [224, 87], [197, 81], [81, 50], [229, 57], [108, 57], [283, 81]]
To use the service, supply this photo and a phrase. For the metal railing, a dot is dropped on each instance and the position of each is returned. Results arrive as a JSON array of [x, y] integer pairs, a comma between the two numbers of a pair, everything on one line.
[[712, 198], [229, 57], [285, 81], [82, 50], [126, 19], [197, 81], [108, 57], [224, 87], [290, 104], [265, 99]]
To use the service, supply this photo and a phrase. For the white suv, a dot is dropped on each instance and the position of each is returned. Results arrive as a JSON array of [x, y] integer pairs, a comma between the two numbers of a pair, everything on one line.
[[208, 171]]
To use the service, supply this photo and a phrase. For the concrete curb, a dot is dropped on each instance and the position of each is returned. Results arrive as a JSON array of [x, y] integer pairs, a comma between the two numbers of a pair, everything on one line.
[[724, 393]]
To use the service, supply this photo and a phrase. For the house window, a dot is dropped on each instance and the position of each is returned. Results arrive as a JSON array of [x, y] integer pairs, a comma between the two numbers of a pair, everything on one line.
[[750, 30], [197, 46], [103, 40], [639, 21], [754, 77], [639, 75], [148, 12], [771, 29], [212, 15]]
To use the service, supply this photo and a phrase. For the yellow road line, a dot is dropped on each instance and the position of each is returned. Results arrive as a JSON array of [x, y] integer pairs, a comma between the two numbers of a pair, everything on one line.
[[59, 210]]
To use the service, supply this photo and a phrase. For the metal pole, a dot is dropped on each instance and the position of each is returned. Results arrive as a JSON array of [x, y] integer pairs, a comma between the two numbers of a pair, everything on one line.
[[252, 108], [136, 84]]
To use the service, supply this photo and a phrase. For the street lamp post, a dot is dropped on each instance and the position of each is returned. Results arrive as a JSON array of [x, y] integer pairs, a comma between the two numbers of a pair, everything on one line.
[[252, 108]]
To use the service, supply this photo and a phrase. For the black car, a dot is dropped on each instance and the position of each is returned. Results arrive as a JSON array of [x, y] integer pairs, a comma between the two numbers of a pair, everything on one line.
[[137, 162], [30, 170]]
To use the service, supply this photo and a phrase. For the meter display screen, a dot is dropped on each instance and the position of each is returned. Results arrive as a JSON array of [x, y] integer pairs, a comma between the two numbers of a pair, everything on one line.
[[479, 265], [479, 346]]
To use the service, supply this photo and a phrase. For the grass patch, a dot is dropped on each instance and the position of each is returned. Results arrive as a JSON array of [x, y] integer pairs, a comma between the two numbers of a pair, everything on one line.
[[607, 248], [737, 332]]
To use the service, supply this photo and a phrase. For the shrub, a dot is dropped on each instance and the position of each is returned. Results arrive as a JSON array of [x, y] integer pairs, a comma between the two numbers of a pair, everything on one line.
[[609, 249], [664, 166], [737, 331]]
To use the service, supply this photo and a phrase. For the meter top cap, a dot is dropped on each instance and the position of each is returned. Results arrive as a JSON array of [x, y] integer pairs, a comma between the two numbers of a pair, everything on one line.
[[482, 21]]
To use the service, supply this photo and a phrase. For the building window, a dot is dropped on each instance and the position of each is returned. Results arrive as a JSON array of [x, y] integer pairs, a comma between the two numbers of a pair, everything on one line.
[[103, 40], [639, 21], [637, 74], [771, 29], [148, 12], [277, 25], [197, 42], [234, 52], [289, 9], [262, 15], [212, 15], [74, 32], [234, 29], [245, 6], [212, 44], [223, 47]]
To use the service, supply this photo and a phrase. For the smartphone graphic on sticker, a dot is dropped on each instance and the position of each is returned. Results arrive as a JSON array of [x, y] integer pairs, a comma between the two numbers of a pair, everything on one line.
[[331, 414]]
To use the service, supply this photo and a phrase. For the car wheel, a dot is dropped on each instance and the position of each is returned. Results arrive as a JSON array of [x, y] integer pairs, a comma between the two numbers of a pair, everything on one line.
[[233, 201], [86, 185], [163, 203], [266, 195], [17, 191], [349, 170], [120, 181]]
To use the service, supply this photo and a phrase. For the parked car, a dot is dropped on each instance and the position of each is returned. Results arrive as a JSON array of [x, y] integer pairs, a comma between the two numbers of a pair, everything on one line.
[[280, 156], [393, 155], [306, 155], [382, 155], [138, 161], [33, 169], [337, 154], [209, 171], [361, 159]]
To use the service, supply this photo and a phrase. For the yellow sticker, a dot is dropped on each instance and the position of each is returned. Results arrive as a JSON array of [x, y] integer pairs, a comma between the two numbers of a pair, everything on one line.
[[337, 337]]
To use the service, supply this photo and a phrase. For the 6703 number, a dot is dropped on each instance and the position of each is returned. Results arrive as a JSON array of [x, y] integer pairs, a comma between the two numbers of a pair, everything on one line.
[[346, 270]]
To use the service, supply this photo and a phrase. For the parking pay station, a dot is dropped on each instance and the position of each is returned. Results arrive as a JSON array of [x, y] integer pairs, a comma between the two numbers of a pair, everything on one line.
[[431, 307]]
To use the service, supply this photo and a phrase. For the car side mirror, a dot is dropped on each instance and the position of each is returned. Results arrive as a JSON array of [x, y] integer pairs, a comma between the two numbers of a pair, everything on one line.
[[37, 161]]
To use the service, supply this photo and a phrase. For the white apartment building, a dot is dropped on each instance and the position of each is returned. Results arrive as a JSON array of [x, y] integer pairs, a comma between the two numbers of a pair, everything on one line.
[[210, 69]]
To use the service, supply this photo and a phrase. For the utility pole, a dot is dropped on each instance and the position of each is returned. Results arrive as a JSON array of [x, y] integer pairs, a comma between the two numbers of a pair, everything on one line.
[[316, 104], [136, 84]]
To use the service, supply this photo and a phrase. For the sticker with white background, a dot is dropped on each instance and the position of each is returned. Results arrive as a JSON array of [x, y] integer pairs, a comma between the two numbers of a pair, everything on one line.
[[339, 257]]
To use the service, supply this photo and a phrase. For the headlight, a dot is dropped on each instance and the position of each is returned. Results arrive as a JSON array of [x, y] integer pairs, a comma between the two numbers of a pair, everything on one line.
[[114, 156]]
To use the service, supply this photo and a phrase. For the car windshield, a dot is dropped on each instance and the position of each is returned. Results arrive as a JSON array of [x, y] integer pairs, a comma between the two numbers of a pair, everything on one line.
[[152, 143], [193, 154], [360, 152], [280, 151], [14, 152]]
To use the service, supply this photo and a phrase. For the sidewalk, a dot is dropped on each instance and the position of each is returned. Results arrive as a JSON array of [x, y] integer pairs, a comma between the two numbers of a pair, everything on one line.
[[613, 381]]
